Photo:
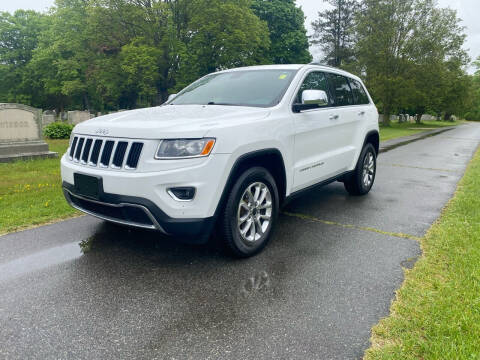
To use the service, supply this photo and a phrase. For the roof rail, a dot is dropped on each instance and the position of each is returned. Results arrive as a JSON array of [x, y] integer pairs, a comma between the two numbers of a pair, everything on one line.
[[320, 64]]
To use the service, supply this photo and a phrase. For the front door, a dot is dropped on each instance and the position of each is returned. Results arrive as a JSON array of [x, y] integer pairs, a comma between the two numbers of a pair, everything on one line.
[[321, 143]]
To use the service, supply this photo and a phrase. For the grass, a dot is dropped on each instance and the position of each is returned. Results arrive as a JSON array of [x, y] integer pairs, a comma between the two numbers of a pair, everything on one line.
[[31, 192], [436, 313], [396, 129]]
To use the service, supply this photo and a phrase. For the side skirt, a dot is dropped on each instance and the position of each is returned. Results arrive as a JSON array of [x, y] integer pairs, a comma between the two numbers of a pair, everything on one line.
[[300, 192]]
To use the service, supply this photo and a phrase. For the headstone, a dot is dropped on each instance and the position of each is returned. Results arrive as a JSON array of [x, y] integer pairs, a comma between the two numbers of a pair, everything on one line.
[[21, 133], [76, 117], [48, 117], [427, 117]]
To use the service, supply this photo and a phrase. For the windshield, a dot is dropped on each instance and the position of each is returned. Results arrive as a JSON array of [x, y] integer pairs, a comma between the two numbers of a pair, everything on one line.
[[259, 88]]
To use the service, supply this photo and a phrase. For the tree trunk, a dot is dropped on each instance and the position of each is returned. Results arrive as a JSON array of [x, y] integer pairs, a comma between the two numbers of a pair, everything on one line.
[[386, 116], [418, 118], [86, 104]]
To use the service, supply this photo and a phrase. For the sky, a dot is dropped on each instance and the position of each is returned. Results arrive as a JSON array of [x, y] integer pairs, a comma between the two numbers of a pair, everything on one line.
[[468, 11]]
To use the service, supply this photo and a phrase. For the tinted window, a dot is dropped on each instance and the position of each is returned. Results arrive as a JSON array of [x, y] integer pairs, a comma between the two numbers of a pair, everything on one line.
[[314, 81], [261, 88], [359, 93], [341, 89]]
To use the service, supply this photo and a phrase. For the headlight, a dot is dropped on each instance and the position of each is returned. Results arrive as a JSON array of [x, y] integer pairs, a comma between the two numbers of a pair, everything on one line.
[[184, 148]]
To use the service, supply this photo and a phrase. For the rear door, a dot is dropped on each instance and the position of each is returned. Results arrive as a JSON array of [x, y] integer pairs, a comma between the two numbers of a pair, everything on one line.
[[361, 99], [347, 116]]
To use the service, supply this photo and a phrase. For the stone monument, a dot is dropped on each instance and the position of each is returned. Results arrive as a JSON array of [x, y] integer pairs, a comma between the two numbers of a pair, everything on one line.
[[21, 133], [76, 117], [48, 117]]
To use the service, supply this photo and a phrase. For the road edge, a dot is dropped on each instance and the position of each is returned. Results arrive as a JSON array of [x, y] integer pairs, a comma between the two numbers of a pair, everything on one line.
[[405, 140]]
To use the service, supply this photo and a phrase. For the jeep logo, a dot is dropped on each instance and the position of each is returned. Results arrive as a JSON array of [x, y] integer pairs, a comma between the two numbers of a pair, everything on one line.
[[101, 131]]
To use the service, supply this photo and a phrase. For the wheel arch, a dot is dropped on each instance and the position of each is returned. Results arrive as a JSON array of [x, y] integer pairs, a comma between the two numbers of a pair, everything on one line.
[[373, 137], [271, 159]]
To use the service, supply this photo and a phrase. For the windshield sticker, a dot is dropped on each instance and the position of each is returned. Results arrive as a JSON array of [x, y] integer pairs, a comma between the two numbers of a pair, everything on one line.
[[283, 76]]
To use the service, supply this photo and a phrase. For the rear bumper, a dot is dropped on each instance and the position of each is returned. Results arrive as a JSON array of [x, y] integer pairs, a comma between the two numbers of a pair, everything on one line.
[[137, 212]]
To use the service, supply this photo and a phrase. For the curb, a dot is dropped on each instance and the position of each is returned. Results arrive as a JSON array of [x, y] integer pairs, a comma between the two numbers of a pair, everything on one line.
[[404, 140]]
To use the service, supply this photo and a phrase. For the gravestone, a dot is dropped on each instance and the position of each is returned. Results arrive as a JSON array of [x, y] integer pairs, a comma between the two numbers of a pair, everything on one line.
[[21, 133], [76, 117], [427, 117], [48, 117]]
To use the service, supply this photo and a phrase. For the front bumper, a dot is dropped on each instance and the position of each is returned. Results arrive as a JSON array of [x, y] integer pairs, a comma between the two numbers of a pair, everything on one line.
[[207, 175], [137, 212], [140, 198]]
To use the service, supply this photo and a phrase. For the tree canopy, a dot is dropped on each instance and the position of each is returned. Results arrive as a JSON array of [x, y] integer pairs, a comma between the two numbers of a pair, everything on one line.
[[408, 51], [111, 54], [289, 43], [334, 32], [104, 55]]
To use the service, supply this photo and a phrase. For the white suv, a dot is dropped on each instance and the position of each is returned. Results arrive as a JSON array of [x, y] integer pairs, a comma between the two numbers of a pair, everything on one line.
[[228, 150]]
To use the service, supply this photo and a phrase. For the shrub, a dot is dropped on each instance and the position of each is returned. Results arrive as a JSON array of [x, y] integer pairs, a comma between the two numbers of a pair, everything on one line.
[[58, 130]]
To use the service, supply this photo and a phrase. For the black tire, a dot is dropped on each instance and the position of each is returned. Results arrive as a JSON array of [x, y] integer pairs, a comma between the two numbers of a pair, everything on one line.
[[354, 183], [236, 243]]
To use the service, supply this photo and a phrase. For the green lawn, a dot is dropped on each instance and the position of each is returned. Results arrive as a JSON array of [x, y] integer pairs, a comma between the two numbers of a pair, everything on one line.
[[30, 191], [396, 130], [436, 314]]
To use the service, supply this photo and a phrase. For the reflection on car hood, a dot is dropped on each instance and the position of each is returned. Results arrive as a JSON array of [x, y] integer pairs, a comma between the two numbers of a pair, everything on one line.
[[169, 121]]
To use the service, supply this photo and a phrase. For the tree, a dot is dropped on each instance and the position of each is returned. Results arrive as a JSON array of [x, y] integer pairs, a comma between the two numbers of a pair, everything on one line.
[[436, 48], [19, 36], [225, 34], [411, 54], [140, 64], [289, 42], [61, 62], [334, 32], [108, 54], [473, 107], [133, 35]]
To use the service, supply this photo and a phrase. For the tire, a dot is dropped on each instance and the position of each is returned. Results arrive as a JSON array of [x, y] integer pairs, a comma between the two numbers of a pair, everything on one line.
[[361, 180], [241, 213]]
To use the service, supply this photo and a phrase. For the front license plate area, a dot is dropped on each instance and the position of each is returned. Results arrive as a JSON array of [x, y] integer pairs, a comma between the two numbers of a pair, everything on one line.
[[87, 185]]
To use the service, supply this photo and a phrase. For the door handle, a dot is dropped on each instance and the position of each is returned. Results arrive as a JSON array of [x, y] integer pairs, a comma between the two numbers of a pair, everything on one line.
[[361, 113], [334, 117]]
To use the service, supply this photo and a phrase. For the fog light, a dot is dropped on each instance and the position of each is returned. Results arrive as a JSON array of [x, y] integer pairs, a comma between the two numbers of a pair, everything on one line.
[[182, 193]]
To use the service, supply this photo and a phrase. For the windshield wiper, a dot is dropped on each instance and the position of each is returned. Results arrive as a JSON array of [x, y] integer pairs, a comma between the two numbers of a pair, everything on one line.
[[223, 104]]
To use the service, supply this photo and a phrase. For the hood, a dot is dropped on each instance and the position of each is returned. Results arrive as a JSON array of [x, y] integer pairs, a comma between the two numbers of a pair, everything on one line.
[[169, 121]]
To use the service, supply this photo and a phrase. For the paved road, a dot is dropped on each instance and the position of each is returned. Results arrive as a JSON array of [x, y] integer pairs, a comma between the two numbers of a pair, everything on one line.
[[326, 278]]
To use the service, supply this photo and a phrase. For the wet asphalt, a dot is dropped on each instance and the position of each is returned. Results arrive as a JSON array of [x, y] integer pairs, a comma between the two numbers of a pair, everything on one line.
[[86, 289]]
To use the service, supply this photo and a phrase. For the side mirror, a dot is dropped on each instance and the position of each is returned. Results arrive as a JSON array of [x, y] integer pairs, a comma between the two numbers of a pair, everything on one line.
[[311, 99], [171, 97]]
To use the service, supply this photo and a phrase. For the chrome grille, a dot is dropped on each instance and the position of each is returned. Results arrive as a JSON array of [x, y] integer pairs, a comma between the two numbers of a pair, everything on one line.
[[72, 148], [105, 152], [95, 152], [86, 151], [78, 152], [134, 155], [120, 150]]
